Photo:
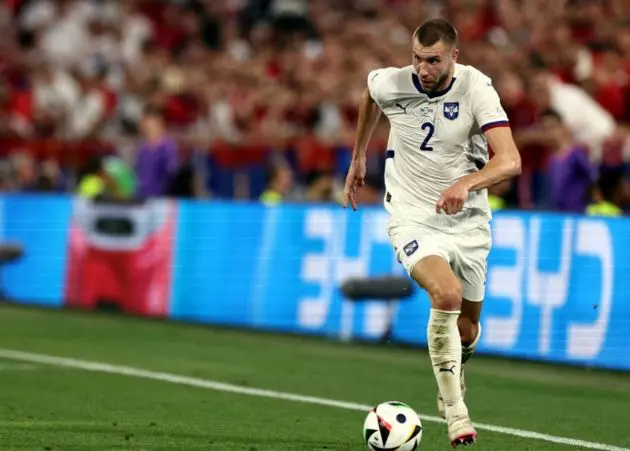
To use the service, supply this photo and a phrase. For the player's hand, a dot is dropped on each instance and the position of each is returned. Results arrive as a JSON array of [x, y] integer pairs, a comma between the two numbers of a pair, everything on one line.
[[452, 200], [354, 180]]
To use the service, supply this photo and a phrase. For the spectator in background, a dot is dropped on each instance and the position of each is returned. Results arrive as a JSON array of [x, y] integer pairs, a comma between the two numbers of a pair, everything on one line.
[[523, 115], [30, 175], [586, 119], [319, 187], [157, 158], [279, 185], [611, 195], [96, 182], [372, 191], [569, 170], [89, 111], [497, 193], [22, 173], [122, 175], [54, 95], [25, 168], [50, 177], [239, 80]]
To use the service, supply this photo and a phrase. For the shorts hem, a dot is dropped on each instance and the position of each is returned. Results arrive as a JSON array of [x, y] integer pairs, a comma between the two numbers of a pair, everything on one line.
[[422, 257]]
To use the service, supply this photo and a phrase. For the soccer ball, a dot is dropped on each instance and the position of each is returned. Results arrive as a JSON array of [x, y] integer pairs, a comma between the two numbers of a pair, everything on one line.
[[392, 426]]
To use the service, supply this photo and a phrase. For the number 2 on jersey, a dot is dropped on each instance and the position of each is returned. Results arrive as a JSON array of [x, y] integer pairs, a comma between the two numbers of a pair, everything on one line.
[[430, 129]]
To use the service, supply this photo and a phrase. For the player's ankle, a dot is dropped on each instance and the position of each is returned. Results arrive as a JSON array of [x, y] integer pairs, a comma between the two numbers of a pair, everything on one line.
[[456, 409]]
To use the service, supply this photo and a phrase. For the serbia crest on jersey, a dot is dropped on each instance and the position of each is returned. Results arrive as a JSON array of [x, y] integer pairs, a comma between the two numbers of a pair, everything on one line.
[[436, 138], [451, 110]]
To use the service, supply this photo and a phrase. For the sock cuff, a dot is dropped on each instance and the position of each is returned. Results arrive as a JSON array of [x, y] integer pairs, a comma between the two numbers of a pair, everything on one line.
[[476, 340], [446, 312], [444, 317]]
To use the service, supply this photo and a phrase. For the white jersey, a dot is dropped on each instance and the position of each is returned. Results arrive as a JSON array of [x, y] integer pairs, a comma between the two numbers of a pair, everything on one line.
[[434, 141]]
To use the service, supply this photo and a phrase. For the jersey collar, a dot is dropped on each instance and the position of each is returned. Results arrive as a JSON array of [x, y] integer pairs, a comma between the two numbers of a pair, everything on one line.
[[418, 85]]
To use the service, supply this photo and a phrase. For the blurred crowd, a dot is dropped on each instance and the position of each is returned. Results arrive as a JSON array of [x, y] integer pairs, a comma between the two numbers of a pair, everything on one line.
[[257, 99]]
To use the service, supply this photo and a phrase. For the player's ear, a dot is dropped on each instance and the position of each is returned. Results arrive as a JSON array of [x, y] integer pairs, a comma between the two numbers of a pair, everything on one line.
[[454, 54]]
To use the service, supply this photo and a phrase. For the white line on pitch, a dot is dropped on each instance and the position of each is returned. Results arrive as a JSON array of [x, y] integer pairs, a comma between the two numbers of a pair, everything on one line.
[[224, 387]]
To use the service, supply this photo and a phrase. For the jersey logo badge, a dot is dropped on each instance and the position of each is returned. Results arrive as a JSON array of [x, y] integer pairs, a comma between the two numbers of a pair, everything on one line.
[[410, 248], [451, 110], [403, 108]]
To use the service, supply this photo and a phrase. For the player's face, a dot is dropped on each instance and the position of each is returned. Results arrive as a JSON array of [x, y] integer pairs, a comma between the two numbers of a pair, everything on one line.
[[434, 64]]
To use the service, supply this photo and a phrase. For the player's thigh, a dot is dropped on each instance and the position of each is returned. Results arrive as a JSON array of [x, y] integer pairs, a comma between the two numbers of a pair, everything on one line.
[[434, 274], [470, 264], [412, 242], [426, 256]]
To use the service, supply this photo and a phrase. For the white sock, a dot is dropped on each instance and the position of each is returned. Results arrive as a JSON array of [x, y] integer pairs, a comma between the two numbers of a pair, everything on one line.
[[445, 349], [468, 351]]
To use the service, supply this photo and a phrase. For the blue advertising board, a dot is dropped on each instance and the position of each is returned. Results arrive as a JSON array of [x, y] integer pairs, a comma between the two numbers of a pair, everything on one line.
[[556, 287], [555, 291], [40, 224]]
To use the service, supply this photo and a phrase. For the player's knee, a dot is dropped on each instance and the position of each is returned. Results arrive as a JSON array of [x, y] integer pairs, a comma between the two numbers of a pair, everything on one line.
[[467, 329], [447, 297]]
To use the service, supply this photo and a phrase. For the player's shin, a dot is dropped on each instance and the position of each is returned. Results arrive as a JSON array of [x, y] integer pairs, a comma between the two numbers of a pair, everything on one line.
[[468, 347], [445, 350]]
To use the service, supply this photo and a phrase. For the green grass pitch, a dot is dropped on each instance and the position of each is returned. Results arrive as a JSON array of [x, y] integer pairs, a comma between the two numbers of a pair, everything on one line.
[[51, 407]]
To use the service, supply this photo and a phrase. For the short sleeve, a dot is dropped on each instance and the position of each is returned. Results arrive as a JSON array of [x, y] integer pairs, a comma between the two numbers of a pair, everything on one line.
[[380, 85], [486, 106]]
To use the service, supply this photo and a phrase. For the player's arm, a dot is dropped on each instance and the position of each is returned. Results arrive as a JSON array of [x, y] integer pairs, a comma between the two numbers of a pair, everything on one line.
[[505, 164], [369, 114]]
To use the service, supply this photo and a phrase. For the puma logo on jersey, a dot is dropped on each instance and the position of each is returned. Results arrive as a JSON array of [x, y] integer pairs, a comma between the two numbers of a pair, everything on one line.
[[404, 108], [448, 370]]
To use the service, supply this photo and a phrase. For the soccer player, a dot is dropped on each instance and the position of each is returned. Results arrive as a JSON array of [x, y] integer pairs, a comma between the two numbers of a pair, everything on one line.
[[442, 117]]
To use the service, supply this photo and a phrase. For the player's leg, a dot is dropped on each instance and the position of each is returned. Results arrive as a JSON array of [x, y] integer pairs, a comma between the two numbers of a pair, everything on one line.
[[470, 332], [435, 275], [425, 255], [471, 267], [469, 327]]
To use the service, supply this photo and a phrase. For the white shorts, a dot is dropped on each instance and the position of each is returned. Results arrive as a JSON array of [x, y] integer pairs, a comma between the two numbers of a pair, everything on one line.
[[465, 252]]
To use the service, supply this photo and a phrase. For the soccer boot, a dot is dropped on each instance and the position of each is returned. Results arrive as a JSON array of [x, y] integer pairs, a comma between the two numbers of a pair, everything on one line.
[[461, 431], [440, 401]]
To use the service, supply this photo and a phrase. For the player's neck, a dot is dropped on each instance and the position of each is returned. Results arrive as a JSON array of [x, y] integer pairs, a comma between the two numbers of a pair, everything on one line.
[[447, 81]]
